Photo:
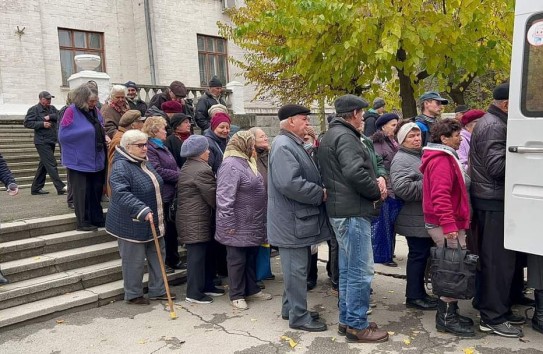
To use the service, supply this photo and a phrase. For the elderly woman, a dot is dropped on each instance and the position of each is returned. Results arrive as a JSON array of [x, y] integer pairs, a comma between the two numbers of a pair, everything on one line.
[[196, 200], [83, 140], [217, 136], [469, 119], [114, 108], [180, 125], [241, 217], [164, 164], [406, 180], [135, 203], [383, 234], [446, 208]]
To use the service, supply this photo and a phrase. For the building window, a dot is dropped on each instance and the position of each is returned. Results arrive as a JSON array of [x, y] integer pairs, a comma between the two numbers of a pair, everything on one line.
[[74, 42], [212, 59]]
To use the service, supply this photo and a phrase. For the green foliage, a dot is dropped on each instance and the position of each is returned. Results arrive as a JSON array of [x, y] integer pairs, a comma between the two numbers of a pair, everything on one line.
[[312, 49]]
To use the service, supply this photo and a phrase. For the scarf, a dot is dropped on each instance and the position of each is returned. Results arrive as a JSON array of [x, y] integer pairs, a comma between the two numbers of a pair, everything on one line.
[[182, 136], [99, 134], [120, 108], [241, 145], [448, 150], [157, 142]]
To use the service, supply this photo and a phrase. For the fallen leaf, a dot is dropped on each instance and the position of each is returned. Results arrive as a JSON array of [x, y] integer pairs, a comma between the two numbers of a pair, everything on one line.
[[37, 258], [60, 321], [142, 341], [290, 341], [416, 332], [384, 297], [253, 319], [334, 339], [390, 333], [407, 341], [469, 350], [391, 291]]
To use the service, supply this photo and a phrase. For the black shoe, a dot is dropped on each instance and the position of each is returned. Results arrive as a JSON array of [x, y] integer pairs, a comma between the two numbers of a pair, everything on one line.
[[214, 292], [311, 285], [87, 228], [504, 329], [312, 326], [163, 297], [525, 301], [430, 298], [515, 319], [139, 301], [271, 277], [168, 269], [464, 320], [100, 224], [447, 320], [39, 192], [61, 192], [391, 264], [314, 315], [180, 265], [71, 206], [420, 304], [204, 300]]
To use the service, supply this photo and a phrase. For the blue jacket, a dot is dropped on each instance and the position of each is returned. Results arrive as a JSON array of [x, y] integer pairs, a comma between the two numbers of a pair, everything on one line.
[[135, 192]]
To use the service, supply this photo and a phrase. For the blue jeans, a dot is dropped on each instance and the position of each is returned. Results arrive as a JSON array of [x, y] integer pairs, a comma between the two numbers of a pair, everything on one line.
[[355, 269]]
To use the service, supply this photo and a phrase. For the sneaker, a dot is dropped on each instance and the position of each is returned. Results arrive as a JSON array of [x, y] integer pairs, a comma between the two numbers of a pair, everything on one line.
[[162, 297], [214, 292], [368, 335], [504, 329], [204, 300], [240, 304], [260, 296], [139, 301]]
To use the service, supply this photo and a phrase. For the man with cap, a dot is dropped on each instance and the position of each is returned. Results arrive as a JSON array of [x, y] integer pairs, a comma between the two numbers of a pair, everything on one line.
[[296, 213], [175, 92], [132, 97], [43, 118], [371, 116], [497, 264], [431, 104], [459, 112], [468, 120], [211, 97], [351, 176]]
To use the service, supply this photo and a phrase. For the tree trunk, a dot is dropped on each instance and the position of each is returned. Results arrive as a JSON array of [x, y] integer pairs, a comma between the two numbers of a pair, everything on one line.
[[457, 96], [407, 94]]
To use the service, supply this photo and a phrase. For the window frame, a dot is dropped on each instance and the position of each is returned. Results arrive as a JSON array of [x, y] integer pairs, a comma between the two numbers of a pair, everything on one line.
[[212, 54], [525, 69]]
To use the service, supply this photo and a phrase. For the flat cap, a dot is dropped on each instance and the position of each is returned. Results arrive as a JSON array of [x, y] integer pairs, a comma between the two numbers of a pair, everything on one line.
[[130, 117], [471, 115], [130, 84], [433, 95], [349, 103], [45, 94], [501, 92], [378, 103], [291, 110], [178, 89]]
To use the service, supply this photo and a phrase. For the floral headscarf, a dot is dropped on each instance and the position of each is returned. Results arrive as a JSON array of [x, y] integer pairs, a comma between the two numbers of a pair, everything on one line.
[[242, 145]]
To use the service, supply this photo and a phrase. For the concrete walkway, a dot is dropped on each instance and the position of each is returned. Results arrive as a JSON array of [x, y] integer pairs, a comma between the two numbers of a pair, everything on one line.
[[219, 328]]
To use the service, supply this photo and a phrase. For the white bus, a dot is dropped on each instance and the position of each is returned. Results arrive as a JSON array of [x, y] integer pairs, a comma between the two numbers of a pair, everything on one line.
[[524, 162]]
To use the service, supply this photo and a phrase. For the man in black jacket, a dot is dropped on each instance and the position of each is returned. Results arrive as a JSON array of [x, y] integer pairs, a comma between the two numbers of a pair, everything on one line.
[[487, 171], [208, 99], [132, 98], [350, 174], [43, 118]]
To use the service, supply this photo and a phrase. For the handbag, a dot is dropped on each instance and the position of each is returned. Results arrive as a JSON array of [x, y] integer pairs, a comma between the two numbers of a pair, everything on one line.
[[452, 271]]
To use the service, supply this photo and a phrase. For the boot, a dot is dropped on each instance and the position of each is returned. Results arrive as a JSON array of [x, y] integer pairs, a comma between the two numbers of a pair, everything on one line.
[[464, 320], [537, 319], [447, 320], [2, 279]]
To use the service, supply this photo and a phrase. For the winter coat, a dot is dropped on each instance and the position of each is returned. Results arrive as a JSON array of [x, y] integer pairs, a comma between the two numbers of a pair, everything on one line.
[[406, 181], [159, 99], [164, 164], [370, 118], [348, 172], [217, 146], [111, 118], [487, 156], [204, 103], [34, 119], [296, 214], [135, 192], [138, 105], [241, 205], [262, 165], [386, 148], [5, 174], [445, 200], [196, 190], [173, 143], [111, 149]]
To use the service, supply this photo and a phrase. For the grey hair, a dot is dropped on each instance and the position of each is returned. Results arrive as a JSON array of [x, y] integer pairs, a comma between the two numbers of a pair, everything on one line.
[[116, 89], [346, 115], [131, 136], [255, 130], [283, 124], [81, 95]]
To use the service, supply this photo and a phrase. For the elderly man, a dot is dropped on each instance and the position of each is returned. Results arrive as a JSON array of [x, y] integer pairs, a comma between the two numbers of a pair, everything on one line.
[[132, 98], [371, 116], [208, 99], [43, 119], [296, 213], [175, 92], [431, 104], [487, 170], [349, 170]]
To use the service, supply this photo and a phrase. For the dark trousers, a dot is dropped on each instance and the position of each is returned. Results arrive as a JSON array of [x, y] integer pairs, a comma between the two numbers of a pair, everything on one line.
[[241, 263], [70, 193], [47, 165], [517, 285], [332, 267], [87, 191], [218, 252], [497, 268], [172, 246], [198, 272], [313, 270], [419, 251]]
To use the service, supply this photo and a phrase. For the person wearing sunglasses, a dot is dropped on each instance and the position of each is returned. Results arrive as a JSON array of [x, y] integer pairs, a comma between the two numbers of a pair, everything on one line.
[[431, 103]]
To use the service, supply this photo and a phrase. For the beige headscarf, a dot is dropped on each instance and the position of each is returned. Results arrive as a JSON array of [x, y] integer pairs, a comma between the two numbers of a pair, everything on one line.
[[242, 145]]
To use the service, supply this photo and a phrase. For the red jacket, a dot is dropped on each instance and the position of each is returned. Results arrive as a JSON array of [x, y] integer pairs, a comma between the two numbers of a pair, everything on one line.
[[445, 200]]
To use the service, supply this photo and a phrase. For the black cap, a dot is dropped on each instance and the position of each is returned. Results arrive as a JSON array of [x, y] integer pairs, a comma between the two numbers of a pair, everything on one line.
[[215, 82], [349, 103], [461, 109], [501, 92], [45, 94], [432, 95], [291, 110]]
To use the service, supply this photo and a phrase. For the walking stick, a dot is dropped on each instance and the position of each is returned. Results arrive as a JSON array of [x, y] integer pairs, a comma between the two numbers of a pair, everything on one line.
[[173, 315]]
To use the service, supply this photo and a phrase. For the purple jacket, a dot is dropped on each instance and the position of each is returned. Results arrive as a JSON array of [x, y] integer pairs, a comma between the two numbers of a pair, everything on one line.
[[463, 150], [241, 205], [164, 164]]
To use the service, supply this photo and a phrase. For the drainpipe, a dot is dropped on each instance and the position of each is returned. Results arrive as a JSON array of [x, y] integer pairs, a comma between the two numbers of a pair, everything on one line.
[[149, 40]]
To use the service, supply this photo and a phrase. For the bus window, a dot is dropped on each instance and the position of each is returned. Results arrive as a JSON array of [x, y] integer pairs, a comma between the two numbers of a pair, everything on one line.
[[532, 78]]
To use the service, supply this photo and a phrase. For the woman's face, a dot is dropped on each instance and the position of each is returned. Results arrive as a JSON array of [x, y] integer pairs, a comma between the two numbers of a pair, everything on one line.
[[161, 134], [389, 128], [413, 139], [453, 141], [222, 130], [262, 141], [138, 149], [118, 98], [93, 100], [183, 128]]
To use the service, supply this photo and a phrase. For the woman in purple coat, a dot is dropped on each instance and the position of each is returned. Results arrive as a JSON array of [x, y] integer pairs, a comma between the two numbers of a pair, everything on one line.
[[165, 165], [241, 217]]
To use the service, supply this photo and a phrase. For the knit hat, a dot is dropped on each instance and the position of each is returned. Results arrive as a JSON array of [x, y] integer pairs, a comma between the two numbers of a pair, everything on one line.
[[219, 118], [471, 115], [291, 110], [217, 108], [501, 92], [177, 119], [131, 84], [461, 109], [349, 103], [178, 89], [404, 130], [130, 117], [171, 107], [378, 103], [385, 118], [215, 82], [194, 146]]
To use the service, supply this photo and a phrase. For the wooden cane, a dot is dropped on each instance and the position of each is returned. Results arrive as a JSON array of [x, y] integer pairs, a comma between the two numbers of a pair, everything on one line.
[[173, 315]]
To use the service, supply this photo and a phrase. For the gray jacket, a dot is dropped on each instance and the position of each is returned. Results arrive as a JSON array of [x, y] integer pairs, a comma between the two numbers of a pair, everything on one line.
[[406, 180], [296, 213]]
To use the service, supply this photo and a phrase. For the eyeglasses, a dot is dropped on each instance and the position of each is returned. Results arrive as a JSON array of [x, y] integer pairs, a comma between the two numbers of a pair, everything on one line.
[[140, 145]]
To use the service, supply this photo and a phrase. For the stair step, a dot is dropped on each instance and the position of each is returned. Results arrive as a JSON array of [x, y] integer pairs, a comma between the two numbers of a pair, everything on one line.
[[22, 180], [18, 230]]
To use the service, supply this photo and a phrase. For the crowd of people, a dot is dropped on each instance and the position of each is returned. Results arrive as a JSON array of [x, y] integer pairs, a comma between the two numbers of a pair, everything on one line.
[[225, 195]]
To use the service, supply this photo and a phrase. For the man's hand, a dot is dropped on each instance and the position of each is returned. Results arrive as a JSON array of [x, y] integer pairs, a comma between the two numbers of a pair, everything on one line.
[[325, 195], [46, 118], [47, 125]]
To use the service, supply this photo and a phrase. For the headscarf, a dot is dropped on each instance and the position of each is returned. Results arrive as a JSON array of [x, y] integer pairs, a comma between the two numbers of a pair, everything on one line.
[[241, 145]]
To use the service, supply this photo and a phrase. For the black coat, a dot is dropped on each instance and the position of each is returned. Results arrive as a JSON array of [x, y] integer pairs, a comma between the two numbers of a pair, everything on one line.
[[173, 143], [369, 123], [137, 104], [204, 103], [34, 120]]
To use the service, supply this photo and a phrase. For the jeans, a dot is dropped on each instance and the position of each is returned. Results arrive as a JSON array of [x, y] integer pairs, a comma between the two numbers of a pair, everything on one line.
[[355, 269]]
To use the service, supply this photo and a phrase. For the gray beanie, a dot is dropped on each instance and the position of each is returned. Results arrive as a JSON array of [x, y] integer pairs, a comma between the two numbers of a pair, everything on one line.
[[378, 103], [194, 146]]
